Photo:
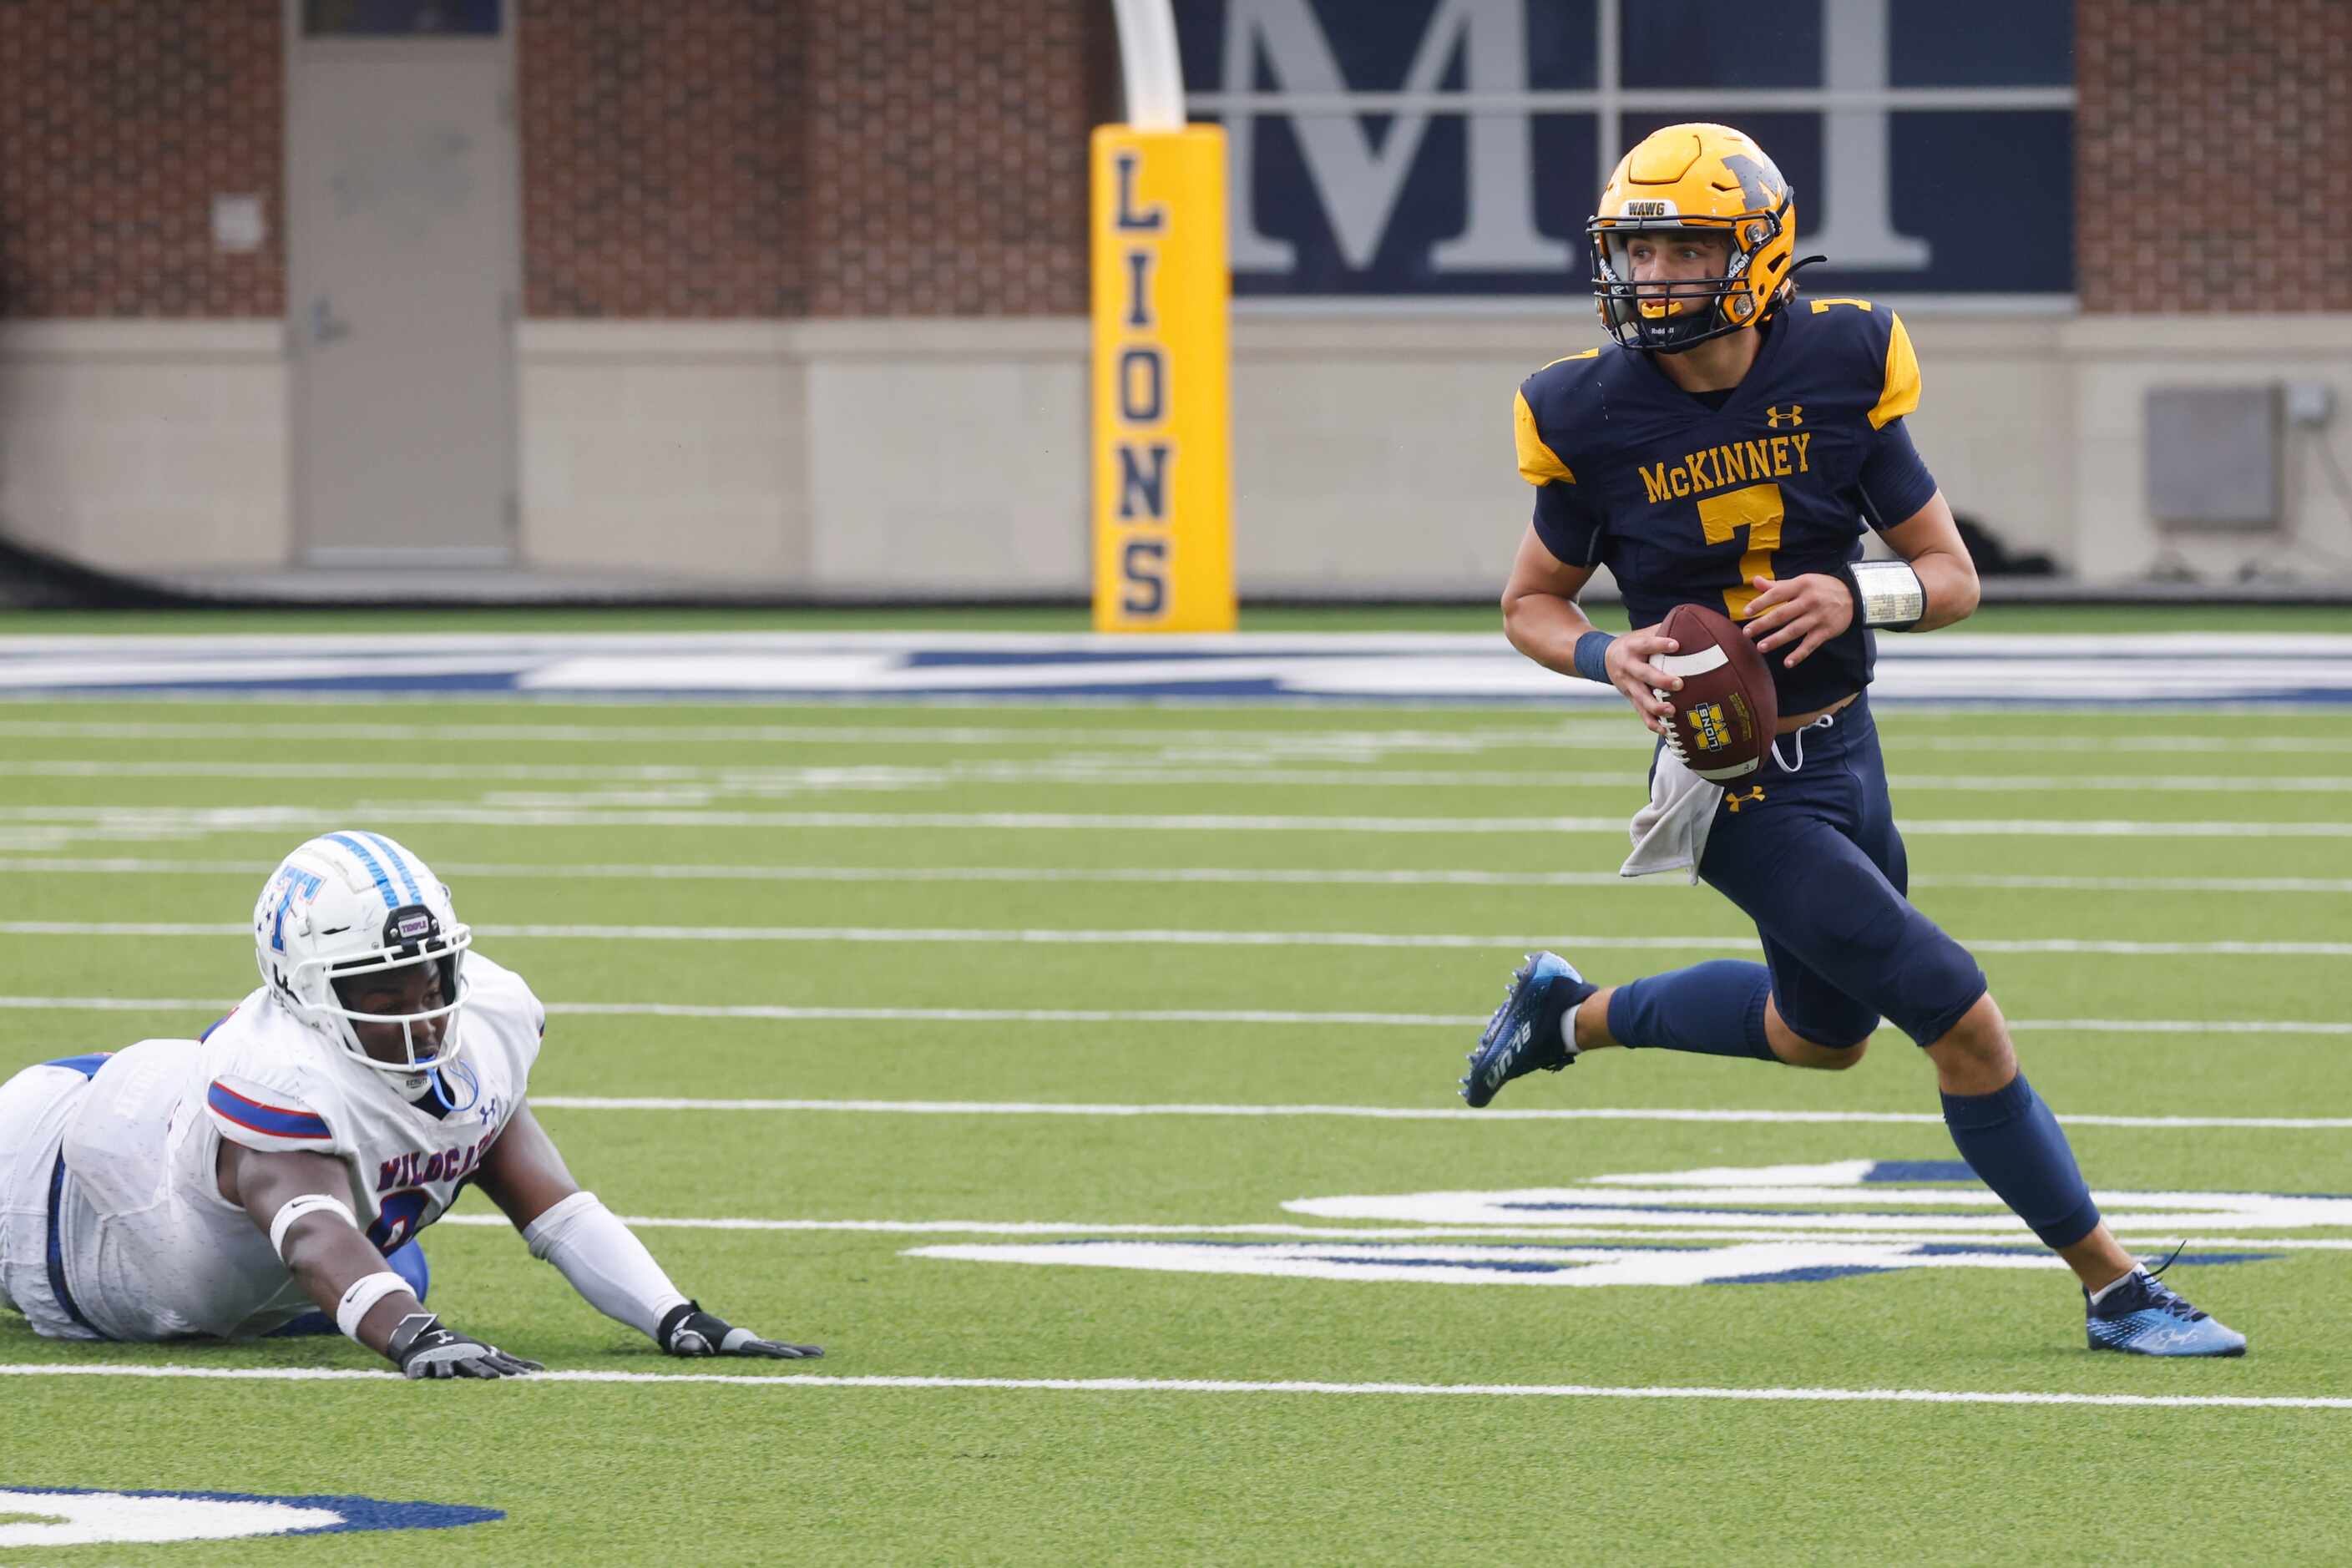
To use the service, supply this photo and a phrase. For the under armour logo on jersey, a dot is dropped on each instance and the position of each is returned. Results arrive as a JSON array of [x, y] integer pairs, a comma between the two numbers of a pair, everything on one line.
[[1735, 800], [1796, 414]]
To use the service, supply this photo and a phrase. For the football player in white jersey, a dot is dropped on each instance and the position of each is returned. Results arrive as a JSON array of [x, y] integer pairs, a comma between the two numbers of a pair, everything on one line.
[[224, 1187]]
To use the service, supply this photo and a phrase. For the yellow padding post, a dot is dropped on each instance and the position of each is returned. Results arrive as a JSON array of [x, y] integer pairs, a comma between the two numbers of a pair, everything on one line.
[[1163, 423]]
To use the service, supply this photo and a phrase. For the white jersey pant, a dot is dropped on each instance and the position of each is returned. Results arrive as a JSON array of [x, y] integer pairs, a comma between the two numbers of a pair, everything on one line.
[[34, 1107]]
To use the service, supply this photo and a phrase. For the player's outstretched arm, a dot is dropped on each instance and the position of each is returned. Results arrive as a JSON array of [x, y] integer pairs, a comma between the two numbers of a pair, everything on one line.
[[604, 1261], [1543, 620], [291, 1196]]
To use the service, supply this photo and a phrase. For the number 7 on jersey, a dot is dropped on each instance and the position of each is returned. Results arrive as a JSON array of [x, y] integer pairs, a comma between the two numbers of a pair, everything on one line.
[[1758, 510]]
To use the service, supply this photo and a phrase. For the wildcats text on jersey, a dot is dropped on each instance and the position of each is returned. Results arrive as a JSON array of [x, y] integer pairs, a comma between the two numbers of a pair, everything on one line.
[[1734, 463], [418, 1167]]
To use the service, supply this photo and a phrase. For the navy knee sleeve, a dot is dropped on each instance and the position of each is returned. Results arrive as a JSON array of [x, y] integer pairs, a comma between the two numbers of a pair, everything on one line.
[[1715, 1008], [2014, 1145]]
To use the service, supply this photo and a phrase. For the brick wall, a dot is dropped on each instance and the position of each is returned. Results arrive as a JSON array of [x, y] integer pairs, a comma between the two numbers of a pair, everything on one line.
[[948, 154], [120, 121], [2213, 154], [663, 158]]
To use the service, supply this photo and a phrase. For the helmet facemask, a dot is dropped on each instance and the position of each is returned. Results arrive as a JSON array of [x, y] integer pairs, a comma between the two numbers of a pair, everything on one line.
[[1669, 316], [317, 985], [332, 917]]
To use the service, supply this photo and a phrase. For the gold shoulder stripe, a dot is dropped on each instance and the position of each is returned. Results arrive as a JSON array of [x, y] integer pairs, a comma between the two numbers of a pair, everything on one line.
[[1900, 393], [1538, 464], [1586, 353]]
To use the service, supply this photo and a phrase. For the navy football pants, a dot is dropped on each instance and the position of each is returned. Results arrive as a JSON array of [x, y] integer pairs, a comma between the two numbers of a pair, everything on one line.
[[1817, 864]]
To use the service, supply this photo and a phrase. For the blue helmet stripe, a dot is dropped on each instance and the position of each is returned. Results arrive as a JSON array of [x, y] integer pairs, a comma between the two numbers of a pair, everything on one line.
[[382, 882], [399, 863]]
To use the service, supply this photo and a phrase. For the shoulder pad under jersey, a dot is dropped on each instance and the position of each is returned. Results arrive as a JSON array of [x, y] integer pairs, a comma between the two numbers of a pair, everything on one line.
[[1872, 338], [504, 1009], [1544, 413]]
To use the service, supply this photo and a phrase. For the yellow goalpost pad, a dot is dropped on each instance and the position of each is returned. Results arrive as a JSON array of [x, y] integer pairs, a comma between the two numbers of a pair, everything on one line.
[[1162, 426]]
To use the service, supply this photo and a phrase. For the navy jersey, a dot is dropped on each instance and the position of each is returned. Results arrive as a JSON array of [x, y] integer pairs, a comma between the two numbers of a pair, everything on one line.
[[1683, 503]]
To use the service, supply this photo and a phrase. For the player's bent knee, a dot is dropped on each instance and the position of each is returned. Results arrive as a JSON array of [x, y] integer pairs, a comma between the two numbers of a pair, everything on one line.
[[1837, 1059], [1828, 1059], [1804, 1051]]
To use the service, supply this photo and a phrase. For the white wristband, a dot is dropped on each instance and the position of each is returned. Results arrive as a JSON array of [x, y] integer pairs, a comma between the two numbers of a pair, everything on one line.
[[362, 1298], [1887, 594], [308, 1202]]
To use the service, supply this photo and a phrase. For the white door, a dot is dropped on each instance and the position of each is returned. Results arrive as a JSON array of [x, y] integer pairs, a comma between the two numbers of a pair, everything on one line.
[[402, 274]]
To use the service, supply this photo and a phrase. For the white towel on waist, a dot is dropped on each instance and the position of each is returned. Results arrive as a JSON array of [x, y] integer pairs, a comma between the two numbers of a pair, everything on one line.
[[1670, 832]]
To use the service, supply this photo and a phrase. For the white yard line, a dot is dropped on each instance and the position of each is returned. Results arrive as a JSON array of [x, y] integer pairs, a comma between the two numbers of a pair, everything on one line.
[[1402, 1113], [938, 935], [1995, 1228], [1048, 874], [789, 1014], [1208, 744], [782, 1380], [1087, 770], [307, 817]]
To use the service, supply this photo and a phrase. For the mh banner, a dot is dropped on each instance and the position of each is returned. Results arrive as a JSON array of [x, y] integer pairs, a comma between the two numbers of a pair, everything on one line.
[[1410, 150], [1163, 432]]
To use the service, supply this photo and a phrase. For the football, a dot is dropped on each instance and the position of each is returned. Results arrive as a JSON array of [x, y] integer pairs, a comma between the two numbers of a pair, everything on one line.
[[1728, 708]]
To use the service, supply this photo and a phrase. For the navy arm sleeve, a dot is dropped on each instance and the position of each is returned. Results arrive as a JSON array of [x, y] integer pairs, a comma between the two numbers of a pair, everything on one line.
[[1568, 525], [1895, 481]]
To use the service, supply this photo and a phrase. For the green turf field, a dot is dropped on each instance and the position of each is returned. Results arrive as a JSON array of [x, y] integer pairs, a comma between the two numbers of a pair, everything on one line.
[[827, 906]]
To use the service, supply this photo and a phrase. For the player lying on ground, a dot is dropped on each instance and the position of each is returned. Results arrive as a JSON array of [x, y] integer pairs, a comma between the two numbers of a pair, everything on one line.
[[1728, 453], [221, 1187]]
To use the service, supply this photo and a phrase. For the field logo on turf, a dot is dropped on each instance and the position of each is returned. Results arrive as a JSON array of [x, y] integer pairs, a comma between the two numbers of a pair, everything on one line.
[[79, 1516], [1738, 1225]]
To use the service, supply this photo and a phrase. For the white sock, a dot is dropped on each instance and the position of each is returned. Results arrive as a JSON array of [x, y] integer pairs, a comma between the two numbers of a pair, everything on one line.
[[2100, 1294], [1568, 1030]]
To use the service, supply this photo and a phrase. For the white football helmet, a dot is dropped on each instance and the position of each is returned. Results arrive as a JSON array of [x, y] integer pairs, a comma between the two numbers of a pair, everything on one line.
[[357, 903]]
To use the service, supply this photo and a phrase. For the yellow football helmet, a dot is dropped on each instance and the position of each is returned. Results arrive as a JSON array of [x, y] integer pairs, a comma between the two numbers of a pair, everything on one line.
[[1696, 176]]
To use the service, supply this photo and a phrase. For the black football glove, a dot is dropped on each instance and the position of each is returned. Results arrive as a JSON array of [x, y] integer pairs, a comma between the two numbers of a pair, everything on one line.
[[688, 1331], [425, 1348]]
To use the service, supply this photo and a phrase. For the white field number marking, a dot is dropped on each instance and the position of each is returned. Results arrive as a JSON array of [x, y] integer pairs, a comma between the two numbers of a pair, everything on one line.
[[88, 1519]]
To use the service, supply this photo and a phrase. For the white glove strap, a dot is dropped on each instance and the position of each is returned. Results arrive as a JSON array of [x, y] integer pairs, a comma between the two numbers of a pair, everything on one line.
[[607, 1265], [362, 1296], [308, 1202]]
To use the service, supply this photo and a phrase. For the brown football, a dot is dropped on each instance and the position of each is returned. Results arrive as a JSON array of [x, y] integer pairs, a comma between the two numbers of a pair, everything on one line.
[[1728, 708]]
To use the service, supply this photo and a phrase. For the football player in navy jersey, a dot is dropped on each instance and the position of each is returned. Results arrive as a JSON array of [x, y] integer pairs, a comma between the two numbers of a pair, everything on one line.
[[1729, 451]]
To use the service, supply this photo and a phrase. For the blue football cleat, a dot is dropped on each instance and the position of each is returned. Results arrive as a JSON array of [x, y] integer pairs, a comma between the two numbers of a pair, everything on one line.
[[2144, 1316], [1525, 1033]]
